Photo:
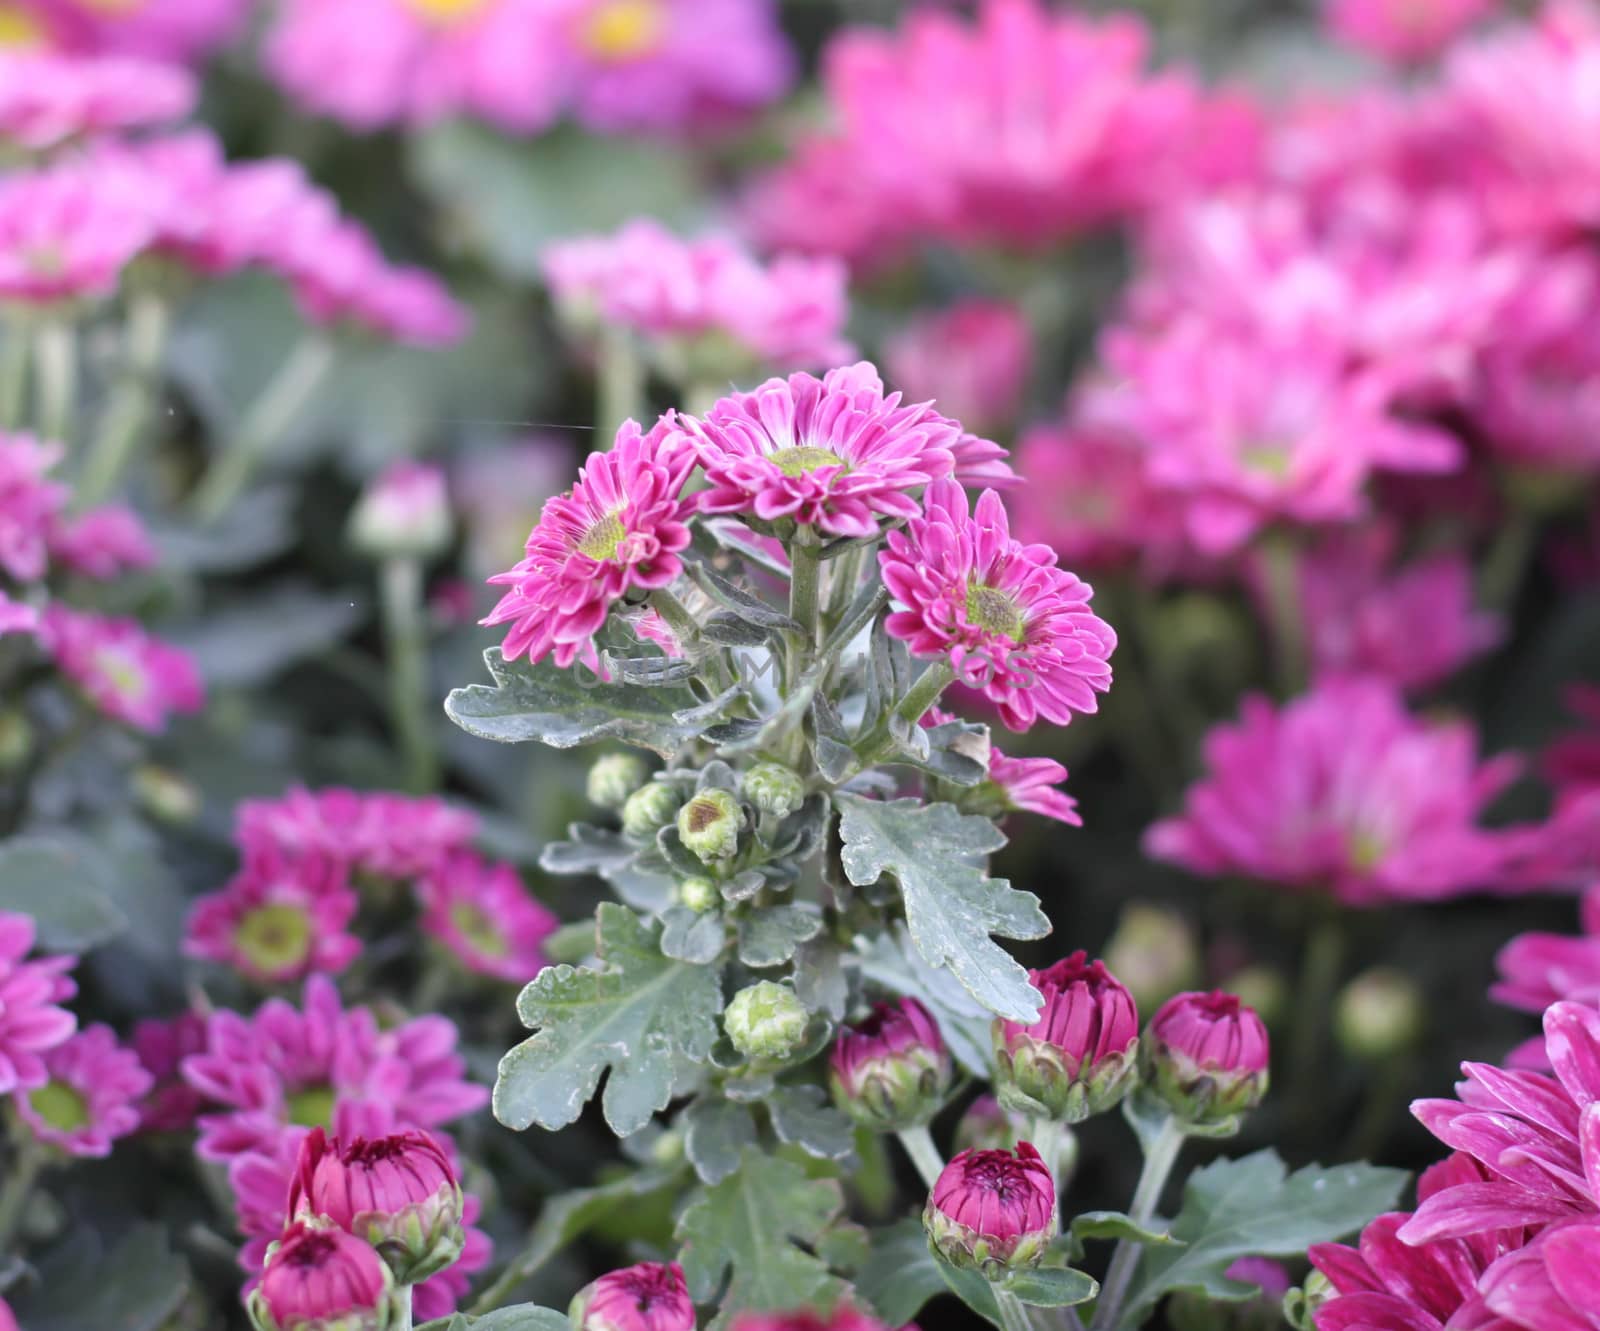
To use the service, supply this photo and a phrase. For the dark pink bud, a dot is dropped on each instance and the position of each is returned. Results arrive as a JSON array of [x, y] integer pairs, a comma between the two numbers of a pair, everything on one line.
[[399, 1193], [1079, 1057], [993, 1210], [892, 1070], [318, 1278], [1206, 1056], [648, 1297]]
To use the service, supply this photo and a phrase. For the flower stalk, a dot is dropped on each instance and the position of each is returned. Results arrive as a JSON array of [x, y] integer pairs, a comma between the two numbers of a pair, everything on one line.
[[128, 413], [406, 641], [1160, 1157]]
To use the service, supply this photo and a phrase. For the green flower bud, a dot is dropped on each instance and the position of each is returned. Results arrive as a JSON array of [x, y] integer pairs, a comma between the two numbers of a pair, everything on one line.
[[16, 740], [774, 789], [649, 809], [699, 895], [613, 778], [1262, 988], [165, 795], [1379, 1013], [1300, 1305], [1153, 953], [766, 1021], [709, 824]]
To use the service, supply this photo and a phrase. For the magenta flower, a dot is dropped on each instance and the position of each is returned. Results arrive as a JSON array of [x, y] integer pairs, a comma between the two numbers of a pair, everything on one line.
[[891, 1070], [1017, 784], [47, 100], [317, 1276], [103, 543], [671, 65], [649, 1296], [66, 233], [8, 1319], [1536, 1136], [1342, 791], [125, 673], [32, 1022], [278, 920], [165, 30], [1550, 1285], [91, 1096], [1572, 763], [1080, 1056], [835, 453], [17, 617], [619, 528], [1405, 31], [161, 1045], [30, 505], [993, 1209], [975, 357], [373, 63], [1538, 969], [1206, 1055], [485, 916], [1007, 620], [376, 833]]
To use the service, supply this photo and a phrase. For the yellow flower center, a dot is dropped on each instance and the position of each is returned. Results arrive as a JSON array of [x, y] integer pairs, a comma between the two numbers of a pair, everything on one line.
[[477, 929], [445, 12], [802, 458], [624, 29], [1269, 457], [124, 675], [994, 612], [61, 1106], [602, 540], [274, 938], [312, 1107], [20, 28]]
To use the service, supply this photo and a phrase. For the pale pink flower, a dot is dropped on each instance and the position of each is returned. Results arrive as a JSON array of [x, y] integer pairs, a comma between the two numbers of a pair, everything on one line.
[[373, 63], [974, 357], [168, 30], [1342, 791], [102, 543], [279, 919], [47, 99], [66, 233], [162, 1044], [30, 505], [1538, 969], [122, 670], [1019, 784], [403, 511], [619, 528], [379, 833], [32, 1022], [1405, 31], [485, 916], [671, 65], [834, 454], [1007, 620], [91, 1096]]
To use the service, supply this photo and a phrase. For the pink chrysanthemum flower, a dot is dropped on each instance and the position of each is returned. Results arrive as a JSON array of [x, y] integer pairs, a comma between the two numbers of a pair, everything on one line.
[[296, 1067], [128, 675], [47, 100], [91, 1097], [671, 65], [32, 1022], [618, 529], [1342, 791], [161, 1045], [279, 920], [835, 453], [30, 505], [485, 916], [1007, 620], [975, 357], [1550, 1285], [1536, 1136], [377, 833], [167, 30], [1405, 31], [1538, 969], [372, 63], [1018, 784], [102, 543], [66, 233]]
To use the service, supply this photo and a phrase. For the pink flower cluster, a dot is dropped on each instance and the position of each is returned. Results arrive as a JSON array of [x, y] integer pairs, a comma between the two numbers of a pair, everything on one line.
[[289, 911], [1404, 31], [47, 100], [706, 308], [612, 65], [168, 30]]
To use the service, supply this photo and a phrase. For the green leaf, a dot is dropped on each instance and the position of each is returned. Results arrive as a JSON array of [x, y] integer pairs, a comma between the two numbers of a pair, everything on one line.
[[892, 961], [770, 935], [802, 1116], [952, 906], [747, 1228], [640, 1015], [1253, 1207], [1052, 1287], [716, 1131], [903, 1275], [61, 883], [256, 637], [566, 708], [524, 1317], [135, 1287], [687, 935], [1116, 1225]]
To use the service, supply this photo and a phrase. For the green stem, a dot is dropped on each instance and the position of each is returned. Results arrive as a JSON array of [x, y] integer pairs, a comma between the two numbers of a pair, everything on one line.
[[925, 692], [1281, 567], [1376, 1119], [918, 1143], [55, 352], [405, 633], [300, 375], [1048, 1137], [15, 356], [26, 1166], [402, 1299], [1158, 1162], [805, 576], [132, 401], [678, 618], [619, 384], [1013, 1316], [1319, 978]]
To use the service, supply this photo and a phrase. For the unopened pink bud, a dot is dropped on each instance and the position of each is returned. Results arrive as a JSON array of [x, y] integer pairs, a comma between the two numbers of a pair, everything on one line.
[[318, 1278], [892, 1070], [1206, 1055], [404, 512], [993, 1211], [650, 1296]]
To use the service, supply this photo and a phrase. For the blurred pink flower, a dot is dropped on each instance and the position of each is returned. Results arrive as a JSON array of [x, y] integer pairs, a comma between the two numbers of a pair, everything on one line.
[[374, 63], [1342, 791], [1402, 30], [170, 30], [374, 832], [102, 543], [91, 1096], [66, 233], [122, 670], [1002, 615], [171, 1104], [17, 616], [1573, 761], [648, 1296], [974, 357], [48, 99], [1538, 969], [618, 529], [485, 916], [32, 1022], [30, 505]]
